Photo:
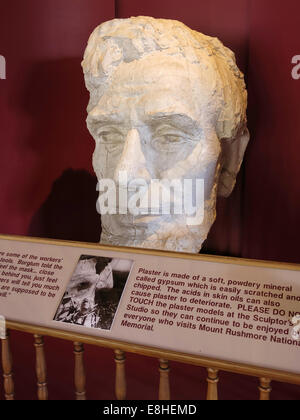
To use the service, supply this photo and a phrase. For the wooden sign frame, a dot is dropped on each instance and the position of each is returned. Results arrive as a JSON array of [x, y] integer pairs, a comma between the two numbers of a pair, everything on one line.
[[208, 362]]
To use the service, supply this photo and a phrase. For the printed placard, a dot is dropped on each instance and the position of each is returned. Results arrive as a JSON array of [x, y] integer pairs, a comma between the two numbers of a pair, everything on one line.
[[228, 309]]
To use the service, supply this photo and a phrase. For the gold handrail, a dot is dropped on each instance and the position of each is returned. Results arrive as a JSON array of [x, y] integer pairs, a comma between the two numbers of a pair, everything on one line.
[[144, 251]]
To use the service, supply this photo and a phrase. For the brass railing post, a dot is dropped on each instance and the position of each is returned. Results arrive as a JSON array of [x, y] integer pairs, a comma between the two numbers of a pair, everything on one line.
[[212, 384], [41, 368], [7, 367], [265, 389], [79, 372], [120, 385], [164, 380]]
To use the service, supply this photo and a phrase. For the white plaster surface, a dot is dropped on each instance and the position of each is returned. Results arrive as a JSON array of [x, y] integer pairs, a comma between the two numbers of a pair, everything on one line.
[[166, 103]]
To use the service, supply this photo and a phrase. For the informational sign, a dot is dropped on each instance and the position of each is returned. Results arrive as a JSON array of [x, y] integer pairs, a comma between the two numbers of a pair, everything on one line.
[[222, 308]]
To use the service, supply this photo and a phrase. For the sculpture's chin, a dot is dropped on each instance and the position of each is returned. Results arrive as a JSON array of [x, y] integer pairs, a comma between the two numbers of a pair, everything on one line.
[[171, 236], [186, 244]]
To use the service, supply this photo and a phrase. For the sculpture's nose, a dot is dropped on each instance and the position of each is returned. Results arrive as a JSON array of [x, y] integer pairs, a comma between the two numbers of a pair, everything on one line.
[[132, 161]]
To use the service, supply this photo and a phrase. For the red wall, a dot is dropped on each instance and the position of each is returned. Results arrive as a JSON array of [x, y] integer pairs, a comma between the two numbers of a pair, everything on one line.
[[46, 181], [42, 115], [272, 170]]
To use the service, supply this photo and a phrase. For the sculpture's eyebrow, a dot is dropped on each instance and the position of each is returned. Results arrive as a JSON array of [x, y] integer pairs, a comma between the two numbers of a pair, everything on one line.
[[103, 119], [180, 121]]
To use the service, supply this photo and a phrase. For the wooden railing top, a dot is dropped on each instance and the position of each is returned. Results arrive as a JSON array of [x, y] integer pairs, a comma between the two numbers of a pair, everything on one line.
[[166, 254]]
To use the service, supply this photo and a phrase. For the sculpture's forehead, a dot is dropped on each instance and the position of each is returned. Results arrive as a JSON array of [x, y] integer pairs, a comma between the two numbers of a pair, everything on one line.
[[156, 84], [151, 67]]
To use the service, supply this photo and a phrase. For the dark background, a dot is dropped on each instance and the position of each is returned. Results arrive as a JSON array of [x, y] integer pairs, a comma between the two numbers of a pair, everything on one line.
[[47, 184]]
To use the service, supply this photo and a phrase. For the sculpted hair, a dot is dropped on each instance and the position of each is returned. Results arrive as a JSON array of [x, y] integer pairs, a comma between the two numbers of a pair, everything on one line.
[[124, 40]]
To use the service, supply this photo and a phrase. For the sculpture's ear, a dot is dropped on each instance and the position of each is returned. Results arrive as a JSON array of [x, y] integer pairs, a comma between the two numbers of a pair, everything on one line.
[[232, 156]]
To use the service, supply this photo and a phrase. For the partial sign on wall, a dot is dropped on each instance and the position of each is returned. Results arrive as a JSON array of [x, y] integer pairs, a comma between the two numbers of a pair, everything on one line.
[[223, 308]]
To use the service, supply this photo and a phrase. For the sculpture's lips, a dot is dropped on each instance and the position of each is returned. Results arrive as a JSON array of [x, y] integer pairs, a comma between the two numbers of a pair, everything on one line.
[[146, 219], [147, 211], [141, 223], [140, 218]]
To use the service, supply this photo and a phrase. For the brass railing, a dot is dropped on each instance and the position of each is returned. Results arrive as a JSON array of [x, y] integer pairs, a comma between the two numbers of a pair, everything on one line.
[[265, 376]]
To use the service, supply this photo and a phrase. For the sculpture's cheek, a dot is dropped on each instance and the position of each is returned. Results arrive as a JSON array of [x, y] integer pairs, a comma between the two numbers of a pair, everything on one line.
[[200, 163]]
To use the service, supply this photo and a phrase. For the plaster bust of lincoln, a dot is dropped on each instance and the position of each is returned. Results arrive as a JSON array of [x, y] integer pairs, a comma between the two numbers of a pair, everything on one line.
[[166, 103]]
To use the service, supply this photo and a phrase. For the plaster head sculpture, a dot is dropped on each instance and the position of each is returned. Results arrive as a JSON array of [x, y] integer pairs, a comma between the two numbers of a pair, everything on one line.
[[166, 104]]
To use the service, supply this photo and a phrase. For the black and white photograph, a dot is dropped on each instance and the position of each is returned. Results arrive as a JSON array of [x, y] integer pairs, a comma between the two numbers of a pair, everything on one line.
[[94, 292]]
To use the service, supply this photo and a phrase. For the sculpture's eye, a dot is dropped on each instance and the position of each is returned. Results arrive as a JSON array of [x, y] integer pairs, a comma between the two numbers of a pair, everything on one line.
[[113, 140], [167, 142]]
